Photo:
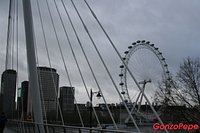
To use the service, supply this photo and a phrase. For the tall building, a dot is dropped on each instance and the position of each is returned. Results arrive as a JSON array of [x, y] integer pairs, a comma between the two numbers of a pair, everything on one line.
[[8, 91], [67, 99], [19, 106], [25, 96], [19, 102], [48, 82], [1, 102]]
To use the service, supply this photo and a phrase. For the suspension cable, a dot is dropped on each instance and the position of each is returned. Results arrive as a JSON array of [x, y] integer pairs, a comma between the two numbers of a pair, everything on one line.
[[17, 64], [44, 36], [65, 66], [8, 36], [13, 36], [94, 15], [17, 43], [37, 61], [107, 70], [97, 53], [93, 74], [74, 56], [40, 84]]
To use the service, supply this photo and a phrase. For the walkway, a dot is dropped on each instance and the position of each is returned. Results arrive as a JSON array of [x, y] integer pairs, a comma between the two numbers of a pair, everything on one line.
[[9, 131]]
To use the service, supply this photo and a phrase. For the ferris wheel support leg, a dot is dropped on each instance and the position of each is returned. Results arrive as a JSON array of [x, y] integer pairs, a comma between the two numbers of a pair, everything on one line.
[[140, 102], [152, 108], [129, 117], [139, 96], [143, 88]]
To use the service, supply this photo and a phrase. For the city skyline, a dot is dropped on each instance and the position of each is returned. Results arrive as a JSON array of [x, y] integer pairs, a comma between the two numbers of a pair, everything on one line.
[[172, 26]]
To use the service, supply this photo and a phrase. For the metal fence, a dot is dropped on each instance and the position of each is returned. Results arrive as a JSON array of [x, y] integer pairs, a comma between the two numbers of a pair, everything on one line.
[[31, 127]]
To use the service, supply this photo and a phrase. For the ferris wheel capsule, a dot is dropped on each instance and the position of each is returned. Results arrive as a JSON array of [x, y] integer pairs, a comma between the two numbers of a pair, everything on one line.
[[148, 42], [122, 92], [143, 41], [129, 47], [126, 52], [152, 45], [156, 48], [134, 43], [121, 83], [138, 41], [122, 66], [121, 74]]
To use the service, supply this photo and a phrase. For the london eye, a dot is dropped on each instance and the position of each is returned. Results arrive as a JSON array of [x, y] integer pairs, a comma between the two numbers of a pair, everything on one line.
[[149, 67]]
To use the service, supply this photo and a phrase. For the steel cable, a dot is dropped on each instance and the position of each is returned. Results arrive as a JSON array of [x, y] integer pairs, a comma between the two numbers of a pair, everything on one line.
[[49, 61], [85, 27], [123, 63], [75, 58]]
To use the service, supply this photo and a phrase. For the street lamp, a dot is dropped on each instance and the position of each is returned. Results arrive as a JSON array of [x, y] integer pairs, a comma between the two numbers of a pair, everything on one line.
[[91, 96]]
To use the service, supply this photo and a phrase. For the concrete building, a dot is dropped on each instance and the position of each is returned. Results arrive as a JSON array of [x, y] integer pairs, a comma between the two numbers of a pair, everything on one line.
[[8, 91], [67, 99], [48, 82], [1, 102], [25, 96], [19, 106]]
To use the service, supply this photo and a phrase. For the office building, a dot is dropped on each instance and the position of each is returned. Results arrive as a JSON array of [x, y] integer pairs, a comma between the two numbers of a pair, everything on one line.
[[48, 82], [25, 96], [1, 102], [67, 99], [19, 106], [8, 91]]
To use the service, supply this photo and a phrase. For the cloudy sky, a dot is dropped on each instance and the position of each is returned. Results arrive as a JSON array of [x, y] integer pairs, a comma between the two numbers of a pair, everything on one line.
[[173, 26]]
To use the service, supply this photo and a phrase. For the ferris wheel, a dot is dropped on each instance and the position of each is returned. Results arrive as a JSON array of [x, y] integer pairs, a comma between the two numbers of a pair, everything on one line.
[[149, 67]]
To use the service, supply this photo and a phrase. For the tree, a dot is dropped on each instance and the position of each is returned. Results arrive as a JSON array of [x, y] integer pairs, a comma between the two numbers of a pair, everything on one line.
[[184, 89], [188, 79]]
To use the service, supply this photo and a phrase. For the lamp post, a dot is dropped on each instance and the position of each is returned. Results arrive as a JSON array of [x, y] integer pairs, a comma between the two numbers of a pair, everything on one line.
[[91, 96]]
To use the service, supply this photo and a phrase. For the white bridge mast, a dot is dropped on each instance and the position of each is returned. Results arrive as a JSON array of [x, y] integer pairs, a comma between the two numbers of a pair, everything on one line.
[[31, 59]]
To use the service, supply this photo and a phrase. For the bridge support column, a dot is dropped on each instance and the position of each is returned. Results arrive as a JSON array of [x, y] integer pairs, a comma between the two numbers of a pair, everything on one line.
[[33, 77]]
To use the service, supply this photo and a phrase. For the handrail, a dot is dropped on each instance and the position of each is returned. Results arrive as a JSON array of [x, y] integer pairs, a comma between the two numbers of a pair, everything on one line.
[[71, 127]]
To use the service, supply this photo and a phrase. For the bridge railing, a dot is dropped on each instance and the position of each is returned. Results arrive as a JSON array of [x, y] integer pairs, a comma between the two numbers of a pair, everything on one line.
[[31, 127]]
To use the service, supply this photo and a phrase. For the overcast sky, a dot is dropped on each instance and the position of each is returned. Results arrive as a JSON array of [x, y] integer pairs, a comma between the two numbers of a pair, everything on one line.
[[173, 26]]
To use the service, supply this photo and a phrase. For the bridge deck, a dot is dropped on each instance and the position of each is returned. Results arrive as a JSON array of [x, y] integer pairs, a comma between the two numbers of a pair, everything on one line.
[[7, 130]]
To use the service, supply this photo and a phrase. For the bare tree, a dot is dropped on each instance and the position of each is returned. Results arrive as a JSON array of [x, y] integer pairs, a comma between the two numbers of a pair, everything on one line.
[[184, 89], [164, 95], [188, 79]]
